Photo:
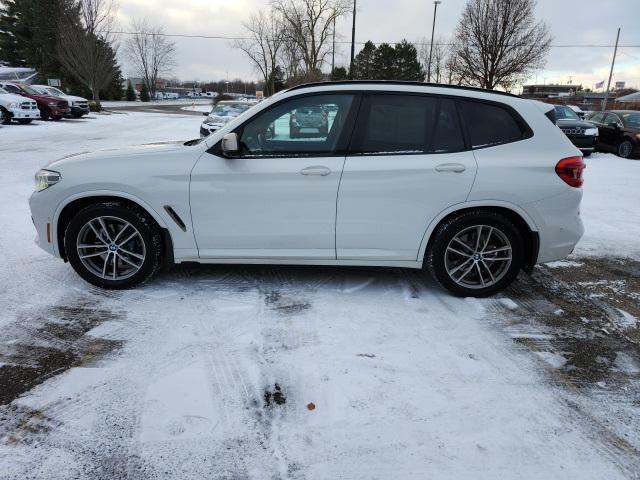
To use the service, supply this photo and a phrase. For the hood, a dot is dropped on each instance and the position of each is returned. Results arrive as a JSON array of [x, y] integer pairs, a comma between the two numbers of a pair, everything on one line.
[[574, 124], [122, 152], [13, 98], [73, 98], [47, 98]]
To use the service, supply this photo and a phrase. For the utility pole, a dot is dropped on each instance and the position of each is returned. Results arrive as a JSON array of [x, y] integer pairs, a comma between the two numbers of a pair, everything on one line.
[[353, 41], [433, 29], [613, 62], [333, 50]]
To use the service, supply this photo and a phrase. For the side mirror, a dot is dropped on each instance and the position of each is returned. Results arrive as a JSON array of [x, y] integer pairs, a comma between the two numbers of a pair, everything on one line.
[[205, 114], [230, 144], [613, 125]]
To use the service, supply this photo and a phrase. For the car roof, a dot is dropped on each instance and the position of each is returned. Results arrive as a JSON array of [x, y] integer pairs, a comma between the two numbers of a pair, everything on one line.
[[382, 84]]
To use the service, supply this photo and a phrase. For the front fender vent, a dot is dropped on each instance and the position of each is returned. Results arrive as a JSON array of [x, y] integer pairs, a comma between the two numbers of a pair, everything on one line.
[[175, 217]]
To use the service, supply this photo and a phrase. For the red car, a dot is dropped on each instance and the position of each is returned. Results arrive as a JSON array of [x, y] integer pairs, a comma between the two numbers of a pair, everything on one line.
[[49, 106]]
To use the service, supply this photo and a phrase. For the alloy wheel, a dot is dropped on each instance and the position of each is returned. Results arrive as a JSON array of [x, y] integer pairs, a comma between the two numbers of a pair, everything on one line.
[[625, 148], [111, 248], [478, 256]]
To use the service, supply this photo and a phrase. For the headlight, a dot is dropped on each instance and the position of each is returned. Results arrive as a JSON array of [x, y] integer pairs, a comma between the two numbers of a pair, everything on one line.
[[591, 131], [46, 178], [53, 104]]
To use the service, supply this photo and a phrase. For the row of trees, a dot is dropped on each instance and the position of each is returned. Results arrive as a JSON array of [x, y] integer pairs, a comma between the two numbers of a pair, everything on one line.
[[497, 43], [72, 40]]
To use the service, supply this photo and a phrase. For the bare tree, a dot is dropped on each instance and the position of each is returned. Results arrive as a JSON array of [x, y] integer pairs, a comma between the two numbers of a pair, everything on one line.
[[86, 47], [150, 53], [441, 52], [265, 39], [500, 42], [310, 27]]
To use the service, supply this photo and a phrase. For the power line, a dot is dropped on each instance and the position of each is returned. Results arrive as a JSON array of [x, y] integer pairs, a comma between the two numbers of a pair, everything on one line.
[[444, 44]]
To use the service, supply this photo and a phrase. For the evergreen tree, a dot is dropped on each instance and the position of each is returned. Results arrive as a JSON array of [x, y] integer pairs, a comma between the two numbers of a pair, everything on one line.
[[275, 82], [407, 65], [339, 73], [131, 94], [363, 68], [144, 93], [384, 63]]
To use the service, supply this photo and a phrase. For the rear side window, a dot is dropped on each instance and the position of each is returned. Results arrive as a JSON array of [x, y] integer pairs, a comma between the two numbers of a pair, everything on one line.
[[489, 124], [407, 124], [597, 118]]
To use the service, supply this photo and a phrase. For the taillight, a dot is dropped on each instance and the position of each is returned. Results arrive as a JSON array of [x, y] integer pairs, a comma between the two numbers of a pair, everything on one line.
[[570, 170]]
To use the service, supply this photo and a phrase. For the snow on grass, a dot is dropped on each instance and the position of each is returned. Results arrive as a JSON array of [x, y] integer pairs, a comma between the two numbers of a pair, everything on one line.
[[405, 386]]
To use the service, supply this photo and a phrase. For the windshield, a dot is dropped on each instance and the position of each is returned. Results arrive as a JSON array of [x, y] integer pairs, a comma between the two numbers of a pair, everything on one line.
[[566, 113], [229, 109], [631, 119], [53, 91], [28, 89]]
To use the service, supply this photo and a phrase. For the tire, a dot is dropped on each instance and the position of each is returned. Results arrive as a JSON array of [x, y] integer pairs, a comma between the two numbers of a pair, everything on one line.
[[625, 148], [56, 118], [143, 255], [44, 114], [25, 121], [497, 233], [5, 116]]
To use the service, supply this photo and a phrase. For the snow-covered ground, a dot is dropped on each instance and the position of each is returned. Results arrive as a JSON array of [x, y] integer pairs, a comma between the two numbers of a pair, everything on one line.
[[181, 101], [211, 372]]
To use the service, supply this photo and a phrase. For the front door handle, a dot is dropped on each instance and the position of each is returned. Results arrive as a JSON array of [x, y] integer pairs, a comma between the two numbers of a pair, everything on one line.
[[451, 167], [316, 170]]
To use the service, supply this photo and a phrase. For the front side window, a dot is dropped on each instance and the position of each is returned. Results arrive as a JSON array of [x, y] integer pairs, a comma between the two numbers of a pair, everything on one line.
[[490, 124], [612, 118], [597, 118], [310, 125], [407, 124]]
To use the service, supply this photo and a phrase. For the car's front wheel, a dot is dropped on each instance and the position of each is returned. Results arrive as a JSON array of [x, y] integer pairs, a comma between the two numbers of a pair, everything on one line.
[[475, 254], [113, 245], [5, 116], [625, 148]]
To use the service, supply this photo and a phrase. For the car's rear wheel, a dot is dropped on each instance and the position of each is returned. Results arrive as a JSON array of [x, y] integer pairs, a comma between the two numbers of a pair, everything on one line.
[[475, 254], [113, 245], [625, 148]]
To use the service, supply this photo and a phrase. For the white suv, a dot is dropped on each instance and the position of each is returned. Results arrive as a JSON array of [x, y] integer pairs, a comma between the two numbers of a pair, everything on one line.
[[469, 184]]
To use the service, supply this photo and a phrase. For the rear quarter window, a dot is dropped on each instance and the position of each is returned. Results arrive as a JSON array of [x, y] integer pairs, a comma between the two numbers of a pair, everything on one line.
[[489, 124]]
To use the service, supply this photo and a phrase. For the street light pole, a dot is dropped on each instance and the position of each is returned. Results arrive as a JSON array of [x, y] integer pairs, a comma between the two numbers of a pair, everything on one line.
[[433, 29], [606, 94], [333, 50], [353, 41]]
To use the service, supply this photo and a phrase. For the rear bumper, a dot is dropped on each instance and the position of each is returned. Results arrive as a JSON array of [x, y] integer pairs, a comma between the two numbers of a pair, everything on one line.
[[559, 224]]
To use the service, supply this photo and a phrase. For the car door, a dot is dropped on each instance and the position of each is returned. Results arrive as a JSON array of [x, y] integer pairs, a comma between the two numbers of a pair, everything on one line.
[[606, 133], [277, 197], [407, 162]]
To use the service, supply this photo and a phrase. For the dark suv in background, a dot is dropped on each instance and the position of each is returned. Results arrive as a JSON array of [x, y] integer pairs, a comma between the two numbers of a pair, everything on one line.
[[582, 134], [49, 106], [619, 131]]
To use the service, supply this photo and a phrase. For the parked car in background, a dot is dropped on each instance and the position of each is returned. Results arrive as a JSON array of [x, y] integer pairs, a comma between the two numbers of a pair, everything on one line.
[[79, 106], [50, 106], [578, 110], [310, 121], [221, 114], [619, 131], [470, 185], [582, 134], [17, 107]]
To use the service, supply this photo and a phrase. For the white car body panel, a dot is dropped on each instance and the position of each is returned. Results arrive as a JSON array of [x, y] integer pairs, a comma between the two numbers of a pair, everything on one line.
[[368, 210]]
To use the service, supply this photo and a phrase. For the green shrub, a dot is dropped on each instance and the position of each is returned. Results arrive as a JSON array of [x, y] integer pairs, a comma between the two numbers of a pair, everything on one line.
[[144, 93], [95, 106]]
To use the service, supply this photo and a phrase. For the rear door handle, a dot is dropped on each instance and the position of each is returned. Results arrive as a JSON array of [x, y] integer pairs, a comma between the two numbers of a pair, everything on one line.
[[451, 167], [316, 170]]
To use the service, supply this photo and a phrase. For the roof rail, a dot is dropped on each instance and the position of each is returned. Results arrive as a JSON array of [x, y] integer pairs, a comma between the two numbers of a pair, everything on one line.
[[398, 82]]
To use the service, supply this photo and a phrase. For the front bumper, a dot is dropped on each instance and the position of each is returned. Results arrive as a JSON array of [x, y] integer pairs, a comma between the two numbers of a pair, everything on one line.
[[41, 215], [58, 112], [19, 114], [79, 111], [586, 143]]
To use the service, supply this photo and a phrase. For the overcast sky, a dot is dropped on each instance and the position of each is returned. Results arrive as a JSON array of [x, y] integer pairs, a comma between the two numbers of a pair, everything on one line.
[[571, 22]]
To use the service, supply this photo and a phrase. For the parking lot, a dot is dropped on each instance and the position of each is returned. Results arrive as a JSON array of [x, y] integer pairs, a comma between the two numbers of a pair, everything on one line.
[[297, 372]]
